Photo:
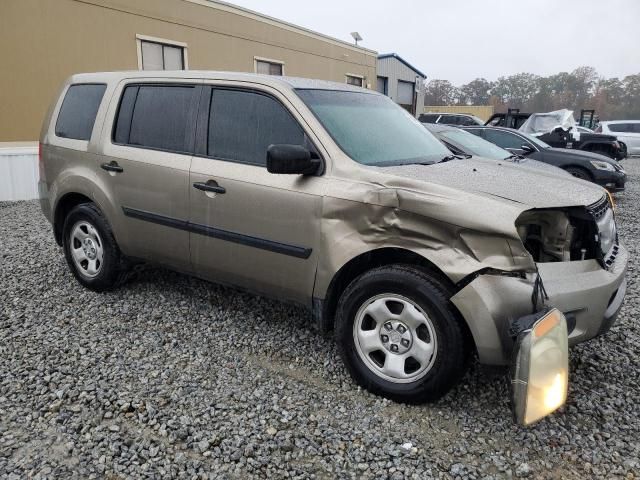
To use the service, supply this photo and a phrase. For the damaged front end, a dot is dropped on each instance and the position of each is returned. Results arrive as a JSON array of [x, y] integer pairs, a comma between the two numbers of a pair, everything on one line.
[[580, 269]]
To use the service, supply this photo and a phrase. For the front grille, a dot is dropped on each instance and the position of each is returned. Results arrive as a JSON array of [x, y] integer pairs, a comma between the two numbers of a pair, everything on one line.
[[599, 208]]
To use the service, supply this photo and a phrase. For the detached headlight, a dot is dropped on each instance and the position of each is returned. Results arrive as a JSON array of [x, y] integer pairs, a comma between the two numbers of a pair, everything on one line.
[[540, 367], [602, 165]]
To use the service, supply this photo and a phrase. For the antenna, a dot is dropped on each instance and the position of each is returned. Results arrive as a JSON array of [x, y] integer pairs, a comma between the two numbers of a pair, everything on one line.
[[356, 36]]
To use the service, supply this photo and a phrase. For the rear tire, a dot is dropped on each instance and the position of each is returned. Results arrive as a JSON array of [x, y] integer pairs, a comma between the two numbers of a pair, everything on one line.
[[580, 173], [90, 249], [399, 336]]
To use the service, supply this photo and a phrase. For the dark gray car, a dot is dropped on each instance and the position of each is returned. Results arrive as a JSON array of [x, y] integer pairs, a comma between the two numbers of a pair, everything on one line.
[[590, 166], [461, 142]]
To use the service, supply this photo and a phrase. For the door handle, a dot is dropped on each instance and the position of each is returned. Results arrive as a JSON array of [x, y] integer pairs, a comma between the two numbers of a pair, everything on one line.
[[210, 186], [112, 167]]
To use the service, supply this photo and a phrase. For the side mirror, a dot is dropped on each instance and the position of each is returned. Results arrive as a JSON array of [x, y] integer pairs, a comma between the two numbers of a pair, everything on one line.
[[527, 149], [291, 159]]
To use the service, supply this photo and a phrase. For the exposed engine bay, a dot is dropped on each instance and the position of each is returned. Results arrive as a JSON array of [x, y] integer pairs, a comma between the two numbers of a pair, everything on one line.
[[560, 235]]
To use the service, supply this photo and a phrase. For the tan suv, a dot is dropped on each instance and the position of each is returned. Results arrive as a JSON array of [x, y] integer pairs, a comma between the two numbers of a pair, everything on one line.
[[333, 197]]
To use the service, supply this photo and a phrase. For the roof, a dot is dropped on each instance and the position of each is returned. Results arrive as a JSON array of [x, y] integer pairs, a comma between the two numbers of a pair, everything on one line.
[[291, 82], [402, 60], [613, 122], [245, 12]]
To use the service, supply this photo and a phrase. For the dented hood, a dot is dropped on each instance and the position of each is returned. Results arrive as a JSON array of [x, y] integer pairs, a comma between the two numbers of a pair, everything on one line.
[[506, 181]]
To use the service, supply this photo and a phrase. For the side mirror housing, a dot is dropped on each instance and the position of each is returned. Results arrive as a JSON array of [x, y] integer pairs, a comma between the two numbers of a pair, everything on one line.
[[291, 159], [527, 149]]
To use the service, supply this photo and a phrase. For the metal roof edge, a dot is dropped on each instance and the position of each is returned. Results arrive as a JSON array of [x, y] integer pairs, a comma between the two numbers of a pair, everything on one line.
[[402, 60], [228, 7]]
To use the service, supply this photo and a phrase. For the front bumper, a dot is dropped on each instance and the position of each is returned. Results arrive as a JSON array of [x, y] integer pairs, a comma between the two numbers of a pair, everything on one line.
[[589, 296], [612, 181]]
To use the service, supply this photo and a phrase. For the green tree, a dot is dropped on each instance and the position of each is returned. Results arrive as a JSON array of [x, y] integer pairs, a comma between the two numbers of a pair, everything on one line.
[[476, 92], [441, 92]]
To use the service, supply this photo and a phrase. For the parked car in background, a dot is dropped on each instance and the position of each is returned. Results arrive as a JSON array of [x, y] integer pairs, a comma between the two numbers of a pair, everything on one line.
[[627, 131], [461, 142], [581, 164], [450, 118], [334, 197], [560, 130]]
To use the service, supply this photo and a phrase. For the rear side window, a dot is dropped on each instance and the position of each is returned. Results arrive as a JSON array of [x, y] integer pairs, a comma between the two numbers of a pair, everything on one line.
[[78, 112], [504, 139], [155, 117], [428, 118], [243, 124], [449, 119], [619, 127]]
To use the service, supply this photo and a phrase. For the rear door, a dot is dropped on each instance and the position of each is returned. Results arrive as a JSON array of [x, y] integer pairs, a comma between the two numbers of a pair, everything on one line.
[[628, 133], [144, 171], [249, 227]]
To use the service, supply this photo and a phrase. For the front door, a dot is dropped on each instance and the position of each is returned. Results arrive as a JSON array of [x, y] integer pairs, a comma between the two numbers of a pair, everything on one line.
[[249, 227]]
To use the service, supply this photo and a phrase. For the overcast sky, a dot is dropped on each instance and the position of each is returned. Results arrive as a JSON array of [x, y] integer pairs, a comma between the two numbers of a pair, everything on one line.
[[460, 40]]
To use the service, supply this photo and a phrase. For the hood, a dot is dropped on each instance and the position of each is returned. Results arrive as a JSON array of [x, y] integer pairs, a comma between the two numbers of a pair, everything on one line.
[[581, 155], [538, 166], [505, 180]]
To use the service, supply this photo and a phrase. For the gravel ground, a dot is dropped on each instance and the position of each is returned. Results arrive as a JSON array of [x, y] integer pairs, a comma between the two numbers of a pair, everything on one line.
[[170, 376]]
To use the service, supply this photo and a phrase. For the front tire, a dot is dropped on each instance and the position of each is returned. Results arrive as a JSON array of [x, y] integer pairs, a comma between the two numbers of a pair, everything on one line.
[[90, 249], [580, 173], [399, 336]]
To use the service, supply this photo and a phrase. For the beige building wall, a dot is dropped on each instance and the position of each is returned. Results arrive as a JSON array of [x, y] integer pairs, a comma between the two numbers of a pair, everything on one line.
[[483, 112], [42, 42]]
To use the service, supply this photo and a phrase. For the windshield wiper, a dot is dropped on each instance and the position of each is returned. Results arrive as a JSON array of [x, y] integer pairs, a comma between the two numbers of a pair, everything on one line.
[[459, 156], [515, 158]]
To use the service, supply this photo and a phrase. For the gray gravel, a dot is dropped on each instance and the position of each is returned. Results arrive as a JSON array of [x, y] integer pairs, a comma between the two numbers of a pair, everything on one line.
[[173, 377]]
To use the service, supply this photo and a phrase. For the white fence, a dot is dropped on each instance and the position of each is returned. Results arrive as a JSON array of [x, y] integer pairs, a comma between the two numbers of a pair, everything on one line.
[[18, 171]]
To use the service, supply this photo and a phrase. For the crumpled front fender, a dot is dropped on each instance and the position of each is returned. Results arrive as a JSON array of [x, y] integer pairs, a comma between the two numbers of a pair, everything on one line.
[[422, 224]]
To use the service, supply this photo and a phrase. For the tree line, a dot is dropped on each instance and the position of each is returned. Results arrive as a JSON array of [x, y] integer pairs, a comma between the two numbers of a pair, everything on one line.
[[583, 88]]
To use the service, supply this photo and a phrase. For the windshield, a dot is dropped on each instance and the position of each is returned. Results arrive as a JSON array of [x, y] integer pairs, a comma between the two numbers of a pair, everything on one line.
[[474, 145], [539, 143], [372, 129]]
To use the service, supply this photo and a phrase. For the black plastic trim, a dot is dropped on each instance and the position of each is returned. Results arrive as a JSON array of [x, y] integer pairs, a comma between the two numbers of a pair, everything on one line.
[[247, 240]]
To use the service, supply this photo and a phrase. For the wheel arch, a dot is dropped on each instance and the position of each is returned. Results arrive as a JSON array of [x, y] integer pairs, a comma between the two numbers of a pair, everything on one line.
[[66, 203], [325, 309], [578, 167]]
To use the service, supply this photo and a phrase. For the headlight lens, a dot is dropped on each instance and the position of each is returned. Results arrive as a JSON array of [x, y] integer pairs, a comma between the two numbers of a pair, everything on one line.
[[602, 165], [541, 367], [607, 230]]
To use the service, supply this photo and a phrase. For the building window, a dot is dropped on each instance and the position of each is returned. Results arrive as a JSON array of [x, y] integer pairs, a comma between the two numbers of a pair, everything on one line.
[[268, 67], [160, 54], [355, 80]]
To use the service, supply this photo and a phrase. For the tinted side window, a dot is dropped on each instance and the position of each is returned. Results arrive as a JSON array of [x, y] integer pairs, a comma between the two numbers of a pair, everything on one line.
[[79, 110], [155, 116], [428, 118], [619, 127], [449, 119], [242, 125], [504, 139]]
